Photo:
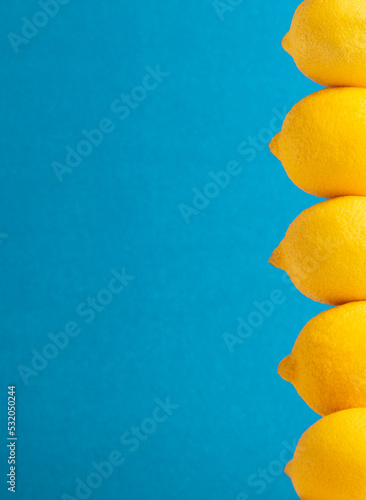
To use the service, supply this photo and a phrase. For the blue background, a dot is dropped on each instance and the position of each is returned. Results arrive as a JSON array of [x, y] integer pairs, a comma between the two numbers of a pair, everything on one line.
[[163, 336]]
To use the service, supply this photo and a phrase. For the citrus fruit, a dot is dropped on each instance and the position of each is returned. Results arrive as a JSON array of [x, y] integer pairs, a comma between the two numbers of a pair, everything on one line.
[[324, 251], [327, 365], [322, 145], [330, 460], [327, 41]]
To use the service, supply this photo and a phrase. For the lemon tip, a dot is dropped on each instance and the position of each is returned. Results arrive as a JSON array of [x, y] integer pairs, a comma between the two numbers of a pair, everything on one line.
[[276, 258], [286, 45], [286, 369], [274, 145], [288, 468]]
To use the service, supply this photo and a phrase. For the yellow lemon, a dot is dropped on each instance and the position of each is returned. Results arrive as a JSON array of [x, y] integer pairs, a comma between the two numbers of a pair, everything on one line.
[[322, 145], [328, 43], [330, 459], [324, 251], [327, 365]]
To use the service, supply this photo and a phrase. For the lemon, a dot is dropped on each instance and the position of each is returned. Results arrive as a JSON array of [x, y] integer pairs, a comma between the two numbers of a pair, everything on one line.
[[328, 43], [322, 145], [324, 251], [327, 365], [330, 459]]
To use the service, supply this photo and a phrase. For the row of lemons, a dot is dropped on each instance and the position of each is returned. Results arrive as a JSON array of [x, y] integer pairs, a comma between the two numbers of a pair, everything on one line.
[[322, 147]]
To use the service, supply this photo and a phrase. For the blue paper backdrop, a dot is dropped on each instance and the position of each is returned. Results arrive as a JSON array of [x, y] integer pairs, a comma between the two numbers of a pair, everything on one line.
[[116, 119]]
